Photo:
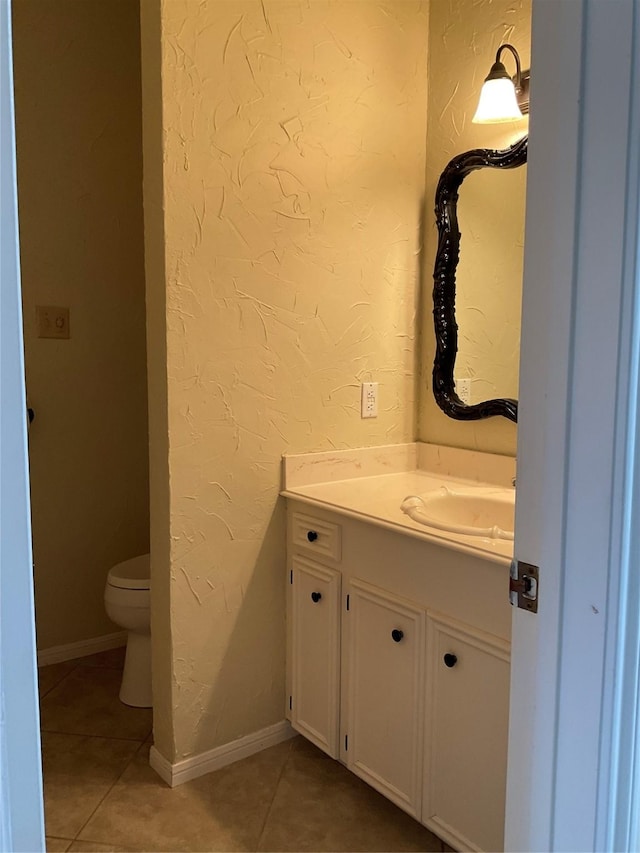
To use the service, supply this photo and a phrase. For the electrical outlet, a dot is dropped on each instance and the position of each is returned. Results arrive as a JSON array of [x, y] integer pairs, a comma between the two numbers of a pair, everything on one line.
[[369, 400], [463, 390], [53, 322]]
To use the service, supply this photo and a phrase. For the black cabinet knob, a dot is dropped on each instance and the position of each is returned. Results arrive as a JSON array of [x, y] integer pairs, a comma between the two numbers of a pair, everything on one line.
[[312, 535], [316, 596], [450, 660], [397, 635]]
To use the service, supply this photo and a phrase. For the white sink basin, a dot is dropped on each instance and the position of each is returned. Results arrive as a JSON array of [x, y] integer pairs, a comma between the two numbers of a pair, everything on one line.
[[472, 510]]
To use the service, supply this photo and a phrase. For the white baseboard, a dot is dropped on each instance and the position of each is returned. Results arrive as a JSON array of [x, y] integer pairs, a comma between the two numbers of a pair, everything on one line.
[[57, 654], [214, 759]]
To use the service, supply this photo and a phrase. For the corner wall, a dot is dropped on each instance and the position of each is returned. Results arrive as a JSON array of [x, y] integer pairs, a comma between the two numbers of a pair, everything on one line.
[[156, 302], [463, 39], [78, 127], [293, 178]]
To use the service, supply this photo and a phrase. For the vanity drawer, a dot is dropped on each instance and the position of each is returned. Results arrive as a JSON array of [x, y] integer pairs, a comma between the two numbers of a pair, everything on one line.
[[316, 536]]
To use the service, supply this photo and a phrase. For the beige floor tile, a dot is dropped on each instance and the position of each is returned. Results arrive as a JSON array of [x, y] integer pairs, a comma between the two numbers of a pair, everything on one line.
[[322, 806], [78, 771], [57, 845], [86, 703], [50, 676], [112, 659], [92, 847], [224, 810]]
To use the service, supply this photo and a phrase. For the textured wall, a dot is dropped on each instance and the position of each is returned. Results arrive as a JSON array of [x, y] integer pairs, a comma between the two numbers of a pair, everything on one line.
[[463, 38], [293, 176], [77, 83]]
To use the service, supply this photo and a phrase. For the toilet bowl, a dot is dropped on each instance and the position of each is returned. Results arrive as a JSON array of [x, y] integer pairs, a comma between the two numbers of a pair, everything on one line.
[[127, 602]]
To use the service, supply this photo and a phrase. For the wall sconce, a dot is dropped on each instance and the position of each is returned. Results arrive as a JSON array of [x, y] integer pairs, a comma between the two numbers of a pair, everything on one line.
[[503, 98]]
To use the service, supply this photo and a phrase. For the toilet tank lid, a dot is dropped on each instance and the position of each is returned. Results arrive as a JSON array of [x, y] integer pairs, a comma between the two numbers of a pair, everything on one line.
[[131, 574]]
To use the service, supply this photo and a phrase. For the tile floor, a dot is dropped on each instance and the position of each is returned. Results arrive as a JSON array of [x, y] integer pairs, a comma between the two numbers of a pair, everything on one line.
[[101, 794]]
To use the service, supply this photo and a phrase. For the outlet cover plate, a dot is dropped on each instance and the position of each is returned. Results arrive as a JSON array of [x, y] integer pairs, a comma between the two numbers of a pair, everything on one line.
[[369, 400]]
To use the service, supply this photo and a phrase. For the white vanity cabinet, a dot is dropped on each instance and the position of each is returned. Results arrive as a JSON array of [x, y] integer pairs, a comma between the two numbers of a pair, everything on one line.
[[400, 669]]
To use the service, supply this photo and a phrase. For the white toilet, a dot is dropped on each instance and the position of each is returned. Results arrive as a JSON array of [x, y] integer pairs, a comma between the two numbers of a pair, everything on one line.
[[127, 602]]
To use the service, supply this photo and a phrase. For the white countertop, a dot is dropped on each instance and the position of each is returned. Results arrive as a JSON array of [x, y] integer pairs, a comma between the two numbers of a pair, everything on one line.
[[376, 499]]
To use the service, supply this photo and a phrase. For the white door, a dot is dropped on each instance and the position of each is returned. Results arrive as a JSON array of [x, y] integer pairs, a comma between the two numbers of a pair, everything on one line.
[[315, 652], [21, 816], [384, 660], [576, 437], [467, 720]]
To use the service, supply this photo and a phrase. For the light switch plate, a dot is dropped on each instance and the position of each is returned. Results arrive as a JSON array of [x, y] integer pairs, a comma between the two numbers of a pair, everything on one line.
[[52, 322]]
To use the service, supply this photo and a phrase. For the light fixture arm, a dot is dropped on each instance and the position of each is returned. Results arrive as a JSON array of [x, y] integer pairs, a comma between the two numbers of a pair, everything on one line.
[[518, 76], [520, 80]]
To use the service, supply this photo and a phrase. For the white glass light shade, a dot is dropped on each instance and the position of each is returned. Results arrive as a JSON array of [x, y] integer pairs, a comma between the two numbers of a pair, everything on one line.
[[497, 103]]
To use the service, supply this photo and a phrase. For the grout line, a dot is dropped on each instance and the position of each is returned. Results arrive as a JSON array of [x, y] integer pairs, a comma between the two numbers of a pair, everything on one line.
[[60, 838], [110, 789], [275, 791], [139, 740], [57, 684]]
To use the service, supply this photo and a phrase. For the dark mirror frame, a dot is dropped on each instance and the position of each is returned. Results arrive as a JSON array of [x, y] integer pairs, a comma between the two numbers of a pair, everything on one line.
[[444, 280]]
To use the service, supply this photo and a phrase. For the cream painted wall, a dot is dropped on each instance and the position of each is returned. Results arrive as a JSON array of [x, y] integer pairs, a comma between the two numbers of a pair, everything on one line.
[[78, 106], [293, 172], [463, 39]]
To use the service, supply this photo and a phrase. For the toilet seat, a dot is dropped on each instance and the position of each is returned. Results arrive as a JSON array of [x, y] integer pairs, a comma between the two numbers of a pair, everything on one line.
[[131, 574]]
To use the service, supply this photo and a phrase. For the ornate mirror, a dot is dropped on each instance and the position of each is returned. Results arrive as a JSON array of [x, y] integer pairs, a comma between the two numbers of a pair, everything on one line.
[[481, 292]]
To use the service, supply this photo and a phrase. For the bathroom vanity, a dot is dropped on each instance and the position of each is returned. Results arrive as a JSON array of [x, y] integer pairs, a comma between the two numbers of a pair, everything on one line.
[[398, 639]]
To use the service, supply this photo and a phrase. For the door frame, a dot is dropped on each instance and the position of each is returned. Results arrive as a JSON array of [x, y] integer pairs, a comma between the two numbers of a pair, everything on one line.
[[21, 806], [573, 662]]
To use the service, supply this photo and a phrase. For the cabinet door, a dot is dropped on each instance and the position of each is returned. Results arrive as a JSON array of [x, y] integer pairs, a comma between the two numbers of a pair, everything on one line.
[[384, 716], [467, 715], [315, 649]]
